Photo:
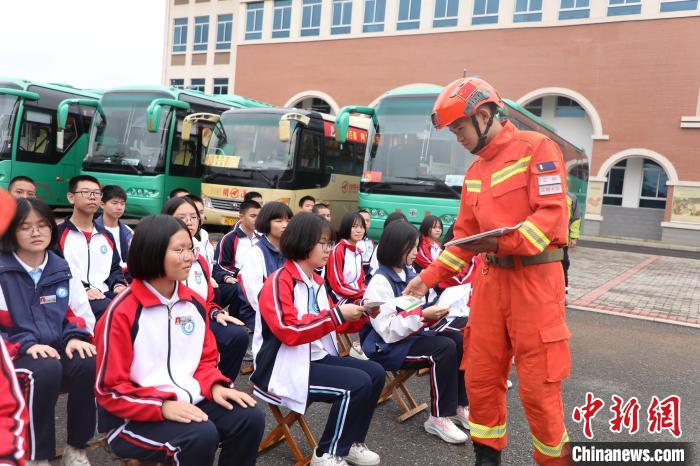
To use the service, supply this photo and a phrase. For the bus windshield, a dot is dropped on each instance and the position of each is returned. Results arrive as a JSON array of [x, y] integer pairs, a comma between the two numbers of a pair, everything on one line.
[[249, 142], [408, 149], [120, 138], [7, 109]]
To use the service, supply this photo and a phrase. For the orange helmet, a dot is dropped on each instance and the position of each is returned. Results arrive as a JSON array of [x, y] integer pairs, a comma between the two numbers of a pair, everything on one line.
[[462, 98]]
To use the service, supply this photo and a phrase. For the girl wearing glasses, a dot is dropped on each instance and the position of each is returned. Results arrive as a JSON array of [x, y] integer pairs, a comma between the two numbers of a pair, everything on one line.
[[231, 337], [47, 320], [160, 396], [296, 354], [344, 270]]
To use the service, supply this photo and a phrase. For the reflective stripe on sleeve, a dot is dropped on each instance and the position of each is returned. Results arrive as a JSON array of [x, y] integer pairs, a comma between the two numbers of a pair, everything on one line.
[[534, 235], [452, 261], [473, 186]]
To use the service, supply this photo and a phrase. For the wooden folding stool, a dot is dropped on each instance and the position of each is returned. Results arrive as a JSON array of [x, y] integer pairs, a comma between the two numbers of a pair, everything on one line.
[[344, 344], [282, 432], [396, 388]]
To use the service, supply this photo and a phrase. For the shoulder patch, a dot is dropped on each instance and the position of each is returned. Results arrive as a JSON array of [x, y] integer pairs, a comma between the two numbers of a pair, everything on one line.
[[543, 167]]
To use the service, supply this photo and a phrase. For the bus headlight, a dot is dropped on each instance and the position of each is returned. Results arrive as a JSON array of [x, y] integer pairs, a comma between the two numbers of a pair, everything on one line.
[[447, 219], [379, 213], [207, 202]]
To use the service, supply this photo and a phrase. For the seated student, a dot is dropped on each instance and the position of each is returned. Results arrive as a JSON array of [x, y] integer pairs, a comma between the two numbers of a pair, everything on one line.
[[307, 203], [399, 339], [322, 210], [263, 259], [230, 253], [113, 205], [366, 245], [429, 246], [202, 234], [296, 354], [159, 393], [231, 340], [373, 261], [344, 270], [22, 187], [254, 196], [90, 249], [48, 323]]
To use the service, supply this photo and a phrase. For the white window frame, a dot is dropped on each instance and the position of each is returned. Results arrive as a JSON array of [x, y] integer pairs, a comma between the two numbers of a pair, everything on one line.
[[228, 27], [374, 21], [254, 12], [286, 13], [219, 85], [201, 34], [485, 14], [409, 19], [529, 11], [342, 4], [178, 33]]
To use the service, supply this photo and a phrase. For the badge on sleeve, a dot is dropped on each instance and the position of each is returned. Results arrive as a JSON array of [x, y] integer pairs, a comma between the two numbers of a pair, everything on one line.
[[544, 167], [551, 189], [548, 179]]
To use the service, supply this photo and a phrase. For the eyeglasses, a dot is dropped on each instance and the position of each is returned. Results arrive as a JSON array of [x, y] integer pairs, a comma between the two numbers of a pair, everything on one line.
[[89, 194], [188, 218], [28, 230], [185, 253], [327, 245]]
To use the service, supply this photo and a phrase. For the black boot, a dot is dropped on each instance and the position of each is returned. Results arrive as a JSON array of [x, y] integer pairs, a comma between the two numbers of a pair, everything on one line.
[[486, 456]]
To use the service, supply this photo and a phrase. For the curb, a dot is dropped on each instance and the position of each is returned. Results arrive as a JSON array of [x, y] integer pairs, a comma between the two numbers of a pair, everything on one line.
[[632, 316], [639, 243]]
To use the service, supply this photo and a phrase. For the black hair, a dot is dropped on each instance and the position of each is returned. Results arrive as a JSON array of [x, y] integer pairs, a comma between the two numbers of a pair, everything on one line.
[[195, 198], [393, 217], [320, 206], [150, 244], [177, 191], [20, 178], [8, 242], [302, 234], [247, 205], [73, 182], [429, 221], [306, 198], [397, 240], [363, 211], [269, 212], [174, 203], [347, 222], [250, 195], [112, 191]]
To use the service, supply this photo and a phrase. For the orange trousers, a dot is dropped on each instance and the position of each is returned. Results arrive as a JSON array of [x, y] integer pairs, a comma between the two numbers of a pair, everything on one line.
[[518, 312]]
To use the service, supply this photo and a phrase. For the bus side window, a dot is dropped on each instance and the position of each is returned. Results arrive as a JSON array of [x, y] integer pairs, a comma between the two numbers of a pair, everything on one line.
[[358, 159], [340, 160], [184, 153], [70, 132], [310, 151], [36, 137]]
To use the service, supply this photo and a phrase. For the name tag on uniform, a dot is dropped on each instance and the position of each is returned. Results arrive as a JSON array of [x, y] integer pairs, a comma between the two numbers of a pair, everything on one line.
[[551, 189], [548, 179], [47, 299]]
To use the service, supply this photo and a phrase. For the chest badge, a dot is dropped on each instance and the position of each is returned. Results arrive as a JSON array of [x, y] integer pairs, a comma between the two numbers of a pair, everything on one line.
[[186, 324], [61, 292], [103, 249], [198, 277], [47, 299]]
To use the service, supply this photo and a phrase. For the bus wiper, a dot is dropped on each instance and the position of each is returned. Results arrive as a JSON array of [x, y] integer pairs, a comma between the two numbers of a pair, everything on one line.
[[270, 181], [432, 179]]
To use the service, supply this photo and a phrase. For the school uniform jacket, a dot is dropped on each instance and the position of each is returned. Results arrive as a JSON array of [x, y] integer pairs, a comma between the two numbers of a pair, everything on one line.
[[428, 251], [126, 234], [285, 334], [199, 281], [344, 272], [51, 312], [13, 413], [264, 258], [206, 247], [96, 262], [231, 252]]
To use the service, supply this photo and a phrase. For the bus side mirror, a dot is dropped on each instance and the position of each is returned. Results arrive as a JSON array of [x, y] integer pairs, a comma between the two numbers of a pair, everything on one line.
[[342, 120], [62, 116], [155, 110], [285, 130]]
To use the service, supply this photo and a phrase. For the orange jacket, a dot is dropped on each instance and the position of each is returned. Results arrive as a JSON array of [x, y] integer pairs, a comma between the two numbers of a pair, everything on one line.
[[519, 176]]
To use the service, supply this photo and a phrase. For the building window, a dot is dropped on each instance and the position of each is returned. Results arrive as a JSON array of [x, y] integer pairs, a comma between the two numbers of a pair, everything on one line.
[[180, 35], [527, 10], [311, 18], [613, 187], [281, 18], [201, 33], [678, 5], [575, 9], [197, 84], [177, 83], [254, 20], [535, 107], [409, 15], [224, 31], [485, 12], [624, 7], [446, 13], [342, 16], [567, 108], [653, 186], [374, 16], [220, 86]]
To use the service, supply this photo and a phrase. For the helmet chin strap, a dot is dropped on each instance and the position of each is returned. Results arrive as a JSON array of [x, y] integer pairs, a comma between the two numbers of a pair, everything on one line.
[[482, 136]]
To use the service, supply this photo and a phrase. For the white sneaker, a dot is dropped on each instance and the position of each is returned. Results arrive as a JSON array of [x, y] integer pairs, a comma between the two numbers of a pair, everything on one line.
[[38, 463], [327, 460], [462, 417], [360, 455], [74, 457], [356, 352], [444, 428], [509, 384]]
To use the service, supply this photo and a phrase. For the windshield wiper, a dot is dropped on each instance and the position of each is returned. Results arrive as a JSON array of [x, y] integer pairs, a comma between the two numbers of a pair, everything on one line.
[[432, 179]]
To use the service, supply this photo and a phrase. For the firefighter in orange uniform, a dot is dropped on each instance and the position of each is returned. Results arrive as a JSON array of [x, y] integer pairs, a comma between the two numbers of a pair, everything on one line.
[[518, 300]]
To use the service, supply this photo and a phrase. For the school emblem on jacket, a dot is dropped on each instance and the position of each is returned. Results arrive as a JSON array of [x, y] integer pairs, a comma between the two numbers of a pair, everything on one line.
[[198, 277], [186, 324], [103, 249], [61, 292]]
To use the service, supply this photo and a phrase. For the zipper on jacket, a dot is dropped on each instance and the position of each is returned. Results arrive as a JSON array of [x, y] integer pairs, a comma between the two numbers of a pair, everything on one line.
[[189, 395]]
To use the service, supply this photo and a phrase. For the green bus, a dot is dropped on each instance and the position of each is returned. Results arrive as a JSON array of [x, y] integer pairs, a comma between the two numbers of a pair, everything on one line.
[[29, 141], [411, 167], [136, 142]]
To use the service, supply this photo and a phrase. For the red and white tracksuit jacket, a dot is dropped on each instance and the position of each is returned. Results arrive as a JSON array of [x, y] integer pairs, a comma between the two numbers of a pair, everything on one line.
[[344, 272], [151, 349], [428, 251], [13, 413], [289, 334], [199, 281]]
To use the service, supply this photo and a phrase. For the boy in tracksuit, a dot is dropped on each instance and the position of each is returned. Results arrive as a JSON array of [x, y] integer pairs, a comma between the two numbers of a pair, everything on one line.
[[89, 248], [113, 206]]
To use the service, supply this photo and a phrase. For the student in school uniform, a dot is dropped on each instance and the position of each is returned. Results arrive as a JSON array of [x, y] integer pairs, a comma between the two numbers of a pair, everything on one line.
[[344, 269], [230, 254], [391, 218], [22, 187], [254, 196], [264, 258], [46, 318], [231, 337], [296, 357], [160, 395], [366, 244], [207, 249], [429, 246], [89, 248], [400, 339], [307, 203], [113, 206]]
